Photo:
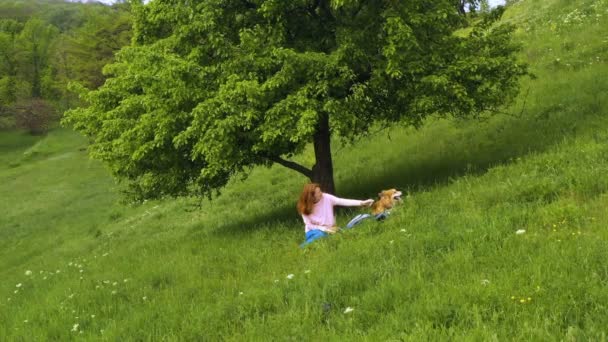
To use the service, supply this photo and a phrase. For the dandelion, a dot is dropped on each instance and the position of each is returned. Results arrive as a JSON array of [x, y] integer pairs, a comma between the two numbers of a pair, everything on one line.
[[28, 273], [75, 327], [348, 310], [18, 285], [520, 231], [290, 276]]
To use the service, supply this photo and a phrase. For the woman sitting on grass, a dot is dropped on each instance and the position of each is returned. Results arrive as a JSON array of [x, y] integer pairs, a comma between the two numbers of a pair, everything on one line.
[[317, 210]]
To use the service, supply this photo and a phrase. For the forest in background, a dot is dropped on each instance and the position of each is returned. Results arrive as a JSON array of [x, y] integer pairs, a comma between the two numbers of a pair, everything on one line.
[[47, 44]]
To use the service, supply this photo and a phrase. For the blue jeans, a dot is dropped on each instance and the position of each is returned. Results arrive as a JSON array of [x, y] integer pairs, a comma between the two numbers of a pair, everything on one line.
[[313, 235], [357, 219]]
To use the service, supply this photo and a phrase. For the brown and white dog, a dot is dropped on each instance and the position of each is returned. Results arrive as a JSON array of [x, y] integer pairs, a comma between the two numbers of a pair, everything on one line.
[[388, 199]]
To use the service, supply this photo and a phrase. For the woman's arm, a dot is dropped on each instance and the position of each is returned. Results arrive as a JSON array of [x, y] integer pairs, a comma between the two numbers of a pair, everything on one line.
[[348, 202]]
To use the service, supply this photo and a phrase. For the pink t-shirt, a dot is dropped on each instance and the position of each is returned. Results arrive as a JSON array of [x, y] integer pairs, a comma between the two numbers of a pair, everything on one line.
[[322, 216]]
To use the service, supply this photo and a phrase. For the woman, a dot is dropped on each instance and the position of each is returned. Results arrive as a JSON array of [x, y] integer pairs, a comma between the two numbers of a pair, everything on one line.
[[317, 210]]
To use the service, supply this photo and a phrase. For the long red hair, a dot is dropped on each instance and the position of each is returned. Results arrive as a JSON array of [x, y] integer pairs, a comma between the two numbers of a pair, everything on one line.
[[307, 198]]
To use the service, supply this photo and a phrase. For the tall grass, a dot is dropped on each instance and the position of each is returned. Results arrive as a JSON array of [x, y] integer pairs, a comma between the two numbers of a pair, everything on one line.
[[446, 264]]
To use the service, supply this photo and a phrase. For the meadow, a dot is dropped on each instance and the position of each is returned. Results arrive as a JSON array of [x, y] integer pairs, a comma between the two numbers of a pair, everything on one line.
[[502, 234]]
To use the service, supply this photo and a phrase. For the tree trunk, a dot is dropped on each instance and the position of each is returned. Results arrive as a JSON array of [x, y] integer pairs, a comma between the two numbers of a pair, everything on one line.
[[323, 170]]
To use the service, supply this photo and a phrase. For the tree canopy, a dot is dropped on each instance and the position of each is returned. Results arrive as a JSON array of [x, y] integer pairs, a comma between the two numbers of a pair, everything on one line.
[[45, 44], [208, 89]]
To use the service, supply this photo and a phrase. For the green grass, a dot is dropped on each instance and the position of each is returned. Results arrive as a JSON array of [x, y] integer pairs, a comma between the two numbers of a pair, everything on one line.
[[446, 265]]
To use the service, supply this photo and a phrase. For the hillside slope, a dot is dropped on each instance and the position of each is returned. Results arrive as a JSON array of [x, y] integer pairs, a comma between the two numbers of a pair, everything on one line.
[[447, 263]]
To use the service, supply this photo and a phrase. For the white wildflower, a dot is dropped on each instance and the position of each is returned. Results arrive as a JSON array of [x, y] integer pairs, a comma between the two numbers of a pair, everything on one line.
[[114, 283], [403, 230], [18, 285], [144, 297], [520, 231], [25, 321], [348, 310], [126, 280], [485, 282], [75, 327], [28, 273], [290, 276], [391, 242], [92, 316], [240, 293], [44, 277], [16, 291]]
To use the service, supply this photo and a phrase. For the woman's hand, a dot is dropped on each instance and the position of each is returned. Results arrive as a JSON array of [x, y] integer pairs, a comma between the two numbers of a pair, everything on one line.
[[367, 202], [332, 230]]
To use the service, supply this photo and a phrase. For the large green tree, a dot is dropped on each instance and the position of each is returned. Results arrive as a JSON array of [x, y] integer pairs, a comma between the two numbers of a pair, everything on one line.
[[210, 88]]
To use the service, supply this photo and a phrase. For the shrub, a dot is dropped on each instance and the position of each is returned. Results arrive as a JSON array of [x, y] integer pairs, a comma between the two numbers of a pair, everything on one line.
[[34, 115]]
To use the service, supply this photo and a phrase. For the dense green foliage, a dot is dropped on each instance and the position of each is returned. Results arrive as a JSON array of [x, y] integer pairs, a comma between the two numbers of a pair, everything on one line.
[[46, 44], [446, 265], [210, 89]]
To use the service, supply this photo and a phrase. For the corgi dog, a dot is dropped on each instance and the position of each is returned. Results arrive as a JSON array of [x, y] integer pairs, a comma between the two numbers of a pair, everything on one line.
[[388, 199]]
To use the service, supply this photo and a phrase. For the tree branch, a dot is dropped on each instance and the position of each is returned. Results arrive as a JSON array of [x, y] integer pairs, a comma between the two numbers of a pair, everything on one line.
[[291, 165]]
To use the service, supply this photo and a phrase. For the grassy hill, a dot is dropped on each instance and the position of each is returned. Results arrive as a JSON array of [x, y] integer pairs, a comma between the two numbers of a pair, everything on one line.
[[447, 263]]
